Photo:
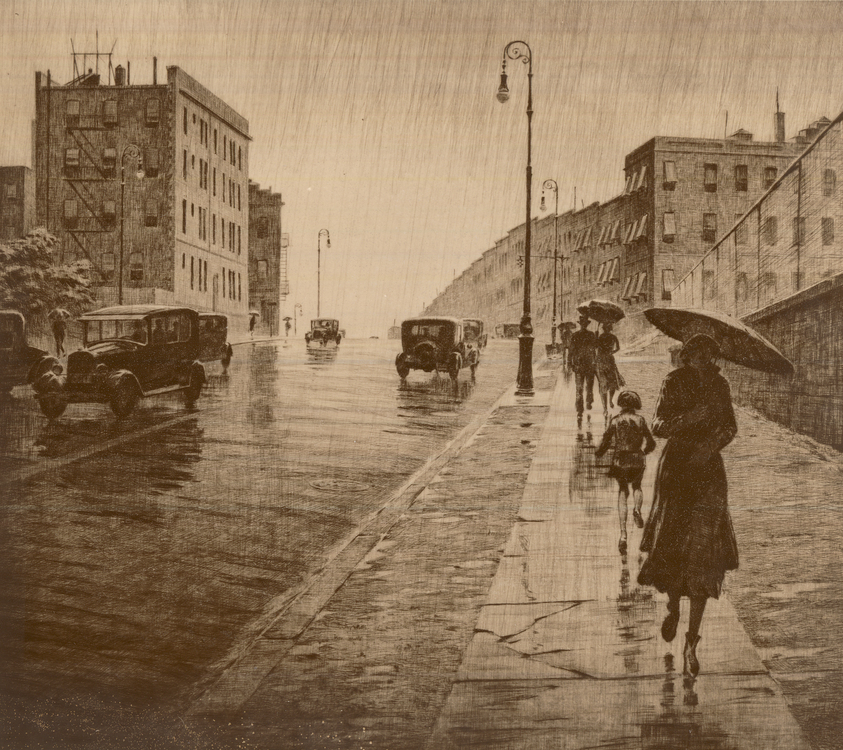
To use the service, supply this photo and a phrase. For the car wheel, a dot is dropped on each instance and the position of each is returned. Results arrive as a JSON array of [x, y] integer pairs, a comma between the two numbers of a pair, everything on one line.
[[454, 366], [52, 406], [401, 366], [124, 398]]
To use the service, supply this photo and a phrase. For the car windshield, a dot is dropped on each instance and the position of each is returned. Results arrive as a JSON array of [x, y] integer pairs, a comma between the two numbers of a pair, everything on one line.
[[431, 330], [110, 329], [472, 331], [9, 328]]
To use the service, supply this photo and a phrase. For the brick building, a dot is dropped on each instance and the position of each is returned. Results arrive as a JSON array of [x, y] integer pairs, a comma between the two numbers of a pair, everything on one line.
[[17, 202], [183, 204], [679, 195], [268, 281]]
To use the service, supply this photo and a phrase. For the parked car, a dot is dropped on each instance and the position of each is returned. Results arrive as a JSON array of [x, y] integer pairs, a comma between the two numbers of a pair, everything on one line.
[[508, 330], [213, 338], [473, 331], [128, 352], [18, 361], [436, 343], [324, 331]]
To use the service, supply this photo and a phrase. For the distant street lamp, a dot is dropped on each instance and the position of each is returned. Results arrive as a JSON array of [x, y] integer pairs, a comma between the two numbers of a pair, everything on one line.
[[297, 313], [521, 51], [319, 268], [551, 185], [134, 152]]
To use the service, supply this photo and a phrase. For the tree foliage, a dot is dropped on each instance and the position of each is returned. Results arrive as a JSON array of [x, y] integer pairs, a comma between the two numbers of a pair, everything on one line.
[[31, 282]]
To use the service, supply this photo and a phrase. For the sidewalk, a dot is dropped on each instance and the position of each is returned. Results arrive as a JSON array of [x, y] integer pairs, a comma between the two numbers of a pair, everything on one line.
[[494, 611]]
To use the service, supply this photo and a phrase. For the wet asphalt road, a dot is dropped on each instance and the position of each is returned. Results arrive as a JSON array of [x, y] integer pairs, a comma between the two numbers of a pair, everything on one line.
[[137, 555]]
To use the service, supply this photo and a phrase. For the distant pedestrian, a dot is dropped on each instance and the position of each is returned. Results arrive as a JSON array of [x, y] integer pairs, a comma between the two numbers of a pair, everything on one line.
[[227, 354], [583, 354], [632, 439], [609, 378], [59, 326], [565, 343], [689, 534], [252, 320], [287, 327]]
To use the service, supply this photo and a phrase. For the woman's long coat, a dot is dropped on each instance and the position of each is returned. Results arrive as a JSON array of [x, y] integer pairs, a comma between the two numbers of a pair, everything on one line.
[[689, 533]]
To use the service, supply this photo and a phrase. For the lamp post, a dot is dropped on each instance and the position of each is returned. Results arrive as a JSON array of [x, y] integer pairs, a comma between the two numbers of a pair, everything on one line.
[[133, 151], [297, 312], [319, 268], [521, 51], [551, 185]]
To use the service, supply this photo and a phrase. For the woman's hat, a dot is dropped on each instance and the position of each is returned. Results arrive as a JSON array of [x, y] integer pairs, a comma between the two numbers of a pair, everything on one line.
[[700, 342], [629, 400]]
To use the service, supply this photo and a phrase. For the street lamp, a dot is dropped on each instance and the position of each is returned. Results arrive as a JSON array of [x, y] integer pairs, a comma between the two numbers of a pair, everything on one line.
[[521, 51], [134, 152], [319, 267], [551, 185]]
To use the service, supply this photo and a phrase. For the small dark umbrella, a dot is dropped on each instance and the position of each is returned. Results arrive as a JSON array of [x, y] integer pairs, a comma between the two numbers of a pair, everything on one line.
[[602, 311], [738, 342]]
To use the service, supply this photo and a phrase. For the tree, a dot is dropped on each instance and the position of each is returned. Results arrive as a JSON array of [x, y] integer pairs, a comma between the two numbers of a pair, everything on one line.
[[31, 282]]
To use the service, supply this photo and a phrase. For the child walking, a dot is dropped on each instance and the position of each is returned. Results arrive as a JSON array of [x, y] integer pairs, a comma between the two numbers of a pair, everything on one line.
[[632, 439]]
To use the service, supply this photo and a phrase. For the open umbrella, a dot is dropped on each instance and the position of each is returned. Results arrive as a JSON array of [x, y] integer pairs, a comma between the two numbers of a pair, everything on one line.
[[254, 313], [738, 342], [59, 312], [570, 325], [287, 317], [602, 311]]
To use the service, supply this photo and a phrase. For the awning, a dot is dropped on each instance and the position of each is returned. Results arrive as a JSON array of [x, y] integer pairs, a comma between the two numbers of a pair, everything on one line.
[[642, 227], [626, 287], [642, 178], [640, 286]]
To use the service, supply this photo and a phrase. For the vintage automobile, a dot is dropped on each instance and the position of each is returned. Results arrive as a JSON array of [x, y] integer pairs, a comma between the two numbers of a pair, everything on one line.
[[18, 362], [213, 338], [436, 343], [507, 330], [473, 332], [128, 352], [323, 331]]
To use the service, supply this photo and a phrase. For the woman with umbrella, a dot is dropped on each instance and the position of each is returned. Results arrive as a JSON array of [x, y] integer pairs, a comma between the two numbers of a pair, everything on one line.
[[689, 534], [609, 378]]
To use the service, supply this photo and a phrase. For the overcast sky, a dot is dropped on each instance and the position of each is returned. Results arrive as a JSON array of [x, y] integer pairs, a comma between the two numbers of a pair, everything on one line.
[[378, 120]]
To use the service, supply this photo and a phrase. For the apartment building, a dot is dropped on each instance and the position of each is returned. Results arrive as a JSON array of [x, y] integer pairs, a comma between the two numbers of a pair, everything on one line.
[[17, 202], [268, 281]]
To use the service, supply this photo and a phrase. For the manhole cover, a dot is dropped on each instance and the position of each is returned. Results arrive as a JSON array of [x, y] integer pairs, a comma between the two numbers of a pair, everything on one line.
[[339, 485]]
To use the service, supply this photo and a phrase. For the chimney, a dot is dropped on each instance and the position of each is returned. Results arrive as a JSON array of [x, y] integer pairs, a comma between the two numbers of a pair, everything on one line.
[[119, 76], [779, 127], [154, 71]]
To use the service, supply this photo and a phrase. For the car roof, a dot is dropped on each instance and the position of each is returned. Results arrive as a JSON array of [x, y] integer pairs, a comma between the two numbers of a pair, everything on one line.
[[13, 314], [433, 319], [212, 315], [326, 320], [135, 312]]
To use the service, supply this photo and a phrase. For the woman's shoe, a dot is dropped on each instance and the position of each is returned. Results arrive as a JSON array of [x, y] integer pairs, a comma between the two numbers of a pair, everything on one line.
[[670, 623], [692, 664], [636, 516]]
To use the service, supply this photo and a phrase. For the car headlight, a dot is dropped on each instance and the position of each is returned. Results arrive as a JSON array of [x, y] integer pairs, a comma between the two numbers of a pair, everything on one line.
[[56, 369]]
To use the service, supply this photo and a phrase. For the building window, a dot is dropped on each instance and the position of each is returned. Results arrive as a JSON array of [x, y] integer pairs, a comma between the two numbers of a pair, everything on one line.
[[183, 256], [71, 113], [741, 287], [231, 236], [136, 267], [215, 180], [828, 230], [263, 227], [240, 158], [239, 207], [669, 180], [799, 230], [771, 230], [71, 213], [199, 225], [741, 178], [710, 181], [152, 112], [263, 269], [709, 229], [107, 266], [213, 229], [12, 191], [109, 210], [205, 276], [770, 174], [740, 230], [223, 281], [770, 282], [669, 226], [192, 270], [184, 164], [71, 159], [239, 295], [829, 182], [184, 217], [233, 152], [224, 147], [215, 141], [239, 238], [193, 161], [185, 120], [667, 283], [709, 285], [150, 213], [222, 231], [151, 162], [109, 112], [223, 187]]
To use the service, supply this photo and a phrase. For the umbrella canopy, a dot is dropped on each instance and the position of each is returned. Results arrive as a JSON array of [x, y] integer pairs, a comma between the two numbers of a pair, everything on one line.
[[287, 317], [602, 311], [738, 342], [570, 325], [59, 312], [254, 313]]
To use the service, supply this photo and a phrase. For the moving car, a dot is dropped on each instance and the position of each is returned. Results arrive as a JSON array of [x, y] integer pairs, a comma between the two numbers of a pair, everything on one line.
[[324, 331], [17, 360], [436, 343], [128, 352], [473, 331], [213, 338]]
